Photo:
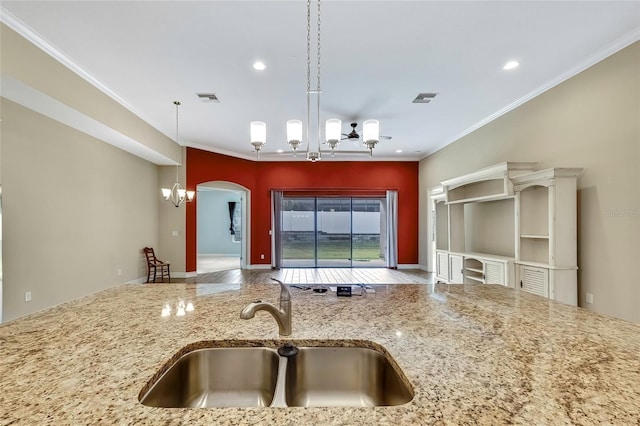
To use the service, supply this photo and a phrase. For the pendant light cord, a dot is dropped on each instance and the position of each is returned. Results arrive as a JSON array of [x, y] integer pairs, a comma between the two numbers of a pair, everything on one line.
[[177, 104], [309, 75], [318, 76]]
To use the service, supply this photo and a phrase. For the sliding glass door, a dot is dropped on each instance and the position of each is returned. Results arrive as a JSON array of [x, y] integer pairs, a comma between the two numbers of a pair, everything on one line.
[[368, 236], [332, 232], [298, 232]]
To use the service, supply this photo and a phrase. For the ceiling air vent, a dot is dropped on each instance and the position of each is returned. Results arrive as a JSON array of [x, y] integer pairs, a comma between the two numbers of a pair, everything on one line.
[[208, 97], [424, 98]]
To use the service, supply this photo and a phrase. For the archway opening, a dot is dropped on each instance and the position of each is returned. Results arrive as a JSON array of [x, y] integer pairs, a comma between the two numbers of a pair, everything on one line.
[[222, 226]]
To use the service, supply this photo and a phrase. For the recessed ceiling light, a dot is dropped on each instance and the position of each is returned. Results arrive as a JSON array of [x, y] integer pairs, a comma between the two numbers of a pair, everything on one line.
[[280, 151], [511, 65], [398, 151], [259, 66]]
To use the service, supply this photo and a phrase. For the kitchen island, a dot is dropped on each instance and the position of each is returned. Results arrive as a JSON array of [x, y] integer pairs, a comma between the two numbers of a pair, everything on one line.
[[480, 354]]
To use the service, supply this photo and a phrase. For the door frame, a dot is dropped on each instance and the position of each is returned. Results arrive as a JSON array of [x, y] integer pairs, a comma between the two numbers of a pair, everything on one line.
[[316, 198], [245, 206]]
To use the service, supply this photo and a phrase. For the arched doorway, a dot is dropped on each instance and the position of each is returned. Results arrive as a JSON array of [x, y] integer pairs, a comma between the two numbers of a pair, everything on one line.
[[222, 226]]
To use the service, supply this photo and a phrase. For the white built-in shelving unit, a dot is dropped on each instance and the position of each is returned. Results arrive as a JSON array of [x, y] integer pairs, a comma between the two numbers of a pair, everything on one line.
[[546, 226], [530, 241]]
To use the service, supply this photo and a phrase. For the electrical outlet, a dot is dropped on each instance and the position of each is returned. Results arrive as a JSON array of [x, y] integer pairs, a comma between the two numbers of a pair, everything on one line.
[[174, 234], [589, 298], [262, 256], [119, 271], [27, 296]]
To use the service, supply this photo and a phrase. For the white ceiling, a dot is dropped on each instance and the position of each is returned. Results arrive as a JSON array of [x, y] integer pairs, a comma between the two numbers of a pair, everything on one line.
[[376, 57]]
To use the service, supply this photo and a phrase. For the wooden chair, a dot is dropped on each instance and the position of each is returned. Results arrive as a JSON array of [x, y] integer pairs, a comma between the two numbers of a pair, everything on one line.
[[156, 266]]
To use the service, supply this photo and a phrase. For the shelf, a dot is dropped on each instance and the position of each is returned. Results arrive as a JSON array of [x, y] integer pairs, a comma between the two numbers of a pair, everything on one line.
[[536, 264], [535, 250], [483, 256], [488, 184], [482, 199], [545, 265], [544, 176], [539, 237], [498, 171], [480, 271], [479, 279]]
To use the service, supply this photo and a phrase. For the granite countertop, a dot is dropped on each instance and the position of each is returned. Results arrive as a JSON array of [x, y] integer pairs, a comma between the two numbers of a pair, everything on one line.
[[479, 354]]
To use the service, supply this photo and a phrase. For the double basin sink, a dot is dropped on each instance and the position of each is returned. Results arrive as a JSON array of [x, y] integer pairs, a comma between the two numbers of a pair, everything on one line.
[[358, 375]]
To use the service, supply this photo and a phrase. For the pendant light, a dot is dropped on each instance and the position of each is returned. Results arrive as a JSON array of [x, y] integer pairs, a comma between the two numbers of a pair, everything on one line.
[[370, 134], [258, 135], [333, 127], [177, 194], [294, 134], [333, 133]]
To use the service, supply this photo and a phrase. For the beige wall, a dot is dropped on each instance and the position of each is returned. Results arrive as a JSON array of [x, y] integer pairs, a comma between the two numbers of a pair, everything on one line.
[[25, 62], [88, 236], [593, 121], [75, 212]]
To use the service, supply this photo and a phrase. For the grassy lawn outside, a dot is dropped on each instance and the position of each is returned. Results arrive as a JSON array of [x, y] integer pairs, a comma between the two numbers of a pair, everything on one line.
[[332, 249]]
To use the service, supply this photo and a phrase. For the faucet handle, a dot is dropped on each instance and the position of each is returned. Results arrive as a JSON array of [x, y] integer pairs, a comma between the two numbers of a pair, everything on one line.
[[285, 296]]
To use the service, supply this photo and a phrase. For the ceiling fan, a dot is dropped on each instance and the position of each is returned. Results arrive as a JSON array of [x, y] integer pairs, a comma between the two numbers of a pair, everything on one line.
[[351, 136], [354, 136]]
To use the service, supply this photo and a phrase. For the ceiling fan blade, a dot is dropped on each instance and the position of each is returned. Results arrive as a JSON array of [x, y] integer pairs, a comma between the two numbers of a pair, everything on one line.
[[344, 152], [284, 154]]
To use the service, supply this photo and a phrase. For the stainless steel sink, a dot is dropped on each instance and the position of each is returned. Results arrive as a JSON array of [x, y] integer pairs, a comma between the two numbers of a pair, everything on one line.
[[343, 377], [217, 377], [326, 376]]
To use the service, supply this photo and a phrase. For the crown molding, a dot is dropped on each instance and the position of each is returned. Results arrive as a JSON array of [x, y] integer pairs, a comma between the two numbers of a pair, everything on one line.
[[616, 46], [43, 44]]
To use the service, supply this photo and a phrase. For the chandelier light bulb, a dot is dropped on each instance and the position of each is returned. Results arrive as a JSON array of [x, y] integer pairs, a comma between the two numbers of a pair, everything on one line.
[[333, 130], [371, 131], [294, 133], [258, 135], [258, 132], [166, 193]]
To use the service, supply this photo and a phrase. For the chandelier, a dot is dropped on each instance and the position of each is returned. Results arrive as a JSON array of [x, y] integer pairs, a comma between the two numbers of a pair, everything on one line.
[[333, 126], [177, 194]]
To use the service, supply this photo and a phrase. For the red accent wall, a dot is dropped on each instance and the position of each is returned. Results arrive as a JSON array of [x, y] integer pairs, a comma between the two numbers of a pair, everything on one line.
[[339, 177]]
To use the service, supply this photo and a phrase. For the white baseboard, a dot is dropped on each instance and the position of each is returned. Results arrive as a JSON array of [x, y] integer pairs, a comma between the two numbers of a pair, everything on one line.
[[258, 266], [424, 268], [177, 274], [408, 266], [182, 274]]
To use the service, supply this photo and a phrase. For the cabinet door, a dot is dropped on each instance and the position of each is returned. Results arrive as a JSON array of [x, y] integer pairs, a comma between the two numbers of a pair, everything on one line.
[[455, 269], [494, 273], [534, 280], [442, 266]]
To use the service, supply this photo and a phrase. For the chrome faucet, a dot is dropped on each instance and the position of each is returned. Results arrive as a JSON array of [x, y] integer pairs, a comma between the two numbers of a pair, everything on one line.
[[281, 315]]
